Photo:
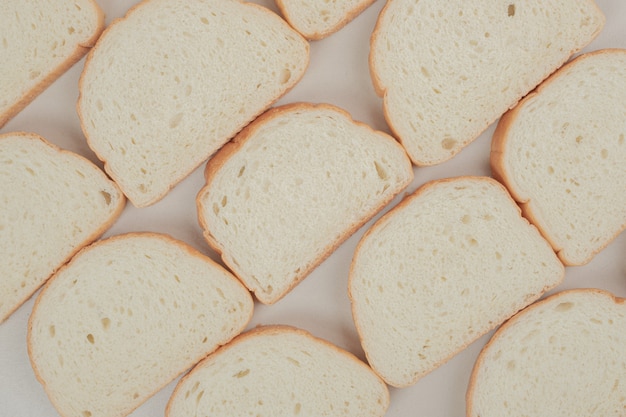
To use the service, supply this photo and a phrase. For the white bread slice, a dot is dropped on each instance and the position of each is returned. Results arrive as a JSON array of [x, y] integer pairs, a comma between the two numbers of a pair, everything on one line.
[[291, 187], [317, 19], [445, 266], [172, 81], [562, 154], [563, 356], [39, 41], [125, 317], [447, 70], [52, 203], [279, 371]]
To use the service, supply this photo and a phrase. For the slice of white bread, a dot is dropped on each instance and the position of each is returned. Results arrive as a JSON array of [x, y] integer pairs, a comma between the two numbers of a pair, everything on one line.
[[449, 263], [447, 70], [125, 317], [172, 81], [563, 356], [316, 19], [52, 203], [291, 187], [562, 154], [279, 371], [39, 41]]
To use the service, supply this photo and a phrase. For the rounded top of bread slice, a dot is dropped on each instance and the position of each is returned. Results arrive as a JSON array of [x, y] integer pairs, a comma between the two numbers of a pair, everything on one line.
[[125, 317], [280, 371], [563, 356], [317, 19], [53, 202], [291, 187], [40, 41], [562, 152], [446, 265], [448, 70], [171, 82]]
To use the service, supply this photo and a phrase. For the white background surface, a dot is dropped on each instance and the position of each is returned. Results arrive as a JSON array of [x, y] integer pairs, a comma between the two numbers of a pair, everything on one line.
[[338, 74]]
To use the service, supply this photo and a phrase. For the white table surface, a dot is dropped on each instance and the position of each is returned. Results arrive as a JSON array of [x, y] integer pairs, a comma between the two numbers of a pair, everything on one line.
[[338, 74]]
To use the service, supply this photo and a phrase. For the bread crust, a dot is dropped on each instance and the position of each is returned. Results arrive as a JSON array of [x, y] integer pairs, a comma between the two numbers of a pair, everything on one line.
[[182, 245], [96, 233], [373, 229], [231, 148], [503, 174], [315, 36], [79, 52], [469, 395], [91, 141]]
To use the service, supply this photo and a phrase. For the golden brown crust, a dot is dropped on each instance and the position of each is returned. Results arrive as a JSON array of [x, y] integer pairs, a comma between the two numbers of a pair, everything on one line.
[[81, 50], [231, 148]]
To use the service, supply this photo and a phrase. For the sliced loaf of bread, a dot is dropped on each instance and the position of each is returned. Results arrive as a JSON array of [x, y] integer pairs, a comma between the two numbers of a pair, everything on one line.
[[291, 187], [316, 19], [52, 203], [447, 70], [171, 82], [39, 41], [562, 154], [280, 371], [445, 266], [564, 356], [125, 317]]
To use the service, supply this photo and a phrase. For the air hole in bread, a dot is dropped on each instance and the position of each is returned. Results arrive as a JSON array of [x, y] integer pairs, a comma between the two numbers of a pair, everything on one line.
[[511, 10], [241, 374], [285, 75], [91, 339], [86, 413], [382, 174], [106, 196], [52, 331], [561, 307], [448, 143], [106, 323]]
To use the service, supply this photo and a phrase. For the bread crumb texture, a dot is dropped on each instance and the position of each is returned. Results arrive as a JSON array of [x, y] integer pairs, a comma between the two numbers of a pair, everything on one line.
[[36, 39], [169, 84], [302, 179], [449, 69], [279, 371], [564, 153], [564, 356], [448, 264], [52, 202], [127, 316]]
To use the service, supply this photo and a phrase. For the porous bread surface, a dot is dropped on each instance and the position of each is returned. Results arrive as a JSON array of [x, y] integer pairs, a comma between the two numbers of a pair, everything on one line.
[[448, 264], [319, 18], [170, 83], [449, 69], [280, 371], [564, 356], [39, 40], [562, 153], [125, 317], [291, 187], [52, 202]]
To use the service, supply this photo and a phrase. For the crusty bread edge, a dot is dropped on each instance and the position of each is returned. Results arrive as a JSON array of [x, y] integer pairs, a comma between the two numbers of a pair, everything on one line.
[[400, 206], [80, 51], [503, 175], [274, 329], [231, 148], [381, 90], [469, 395], [96, 233], [175, 181], [315, 36], [175, 373]]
